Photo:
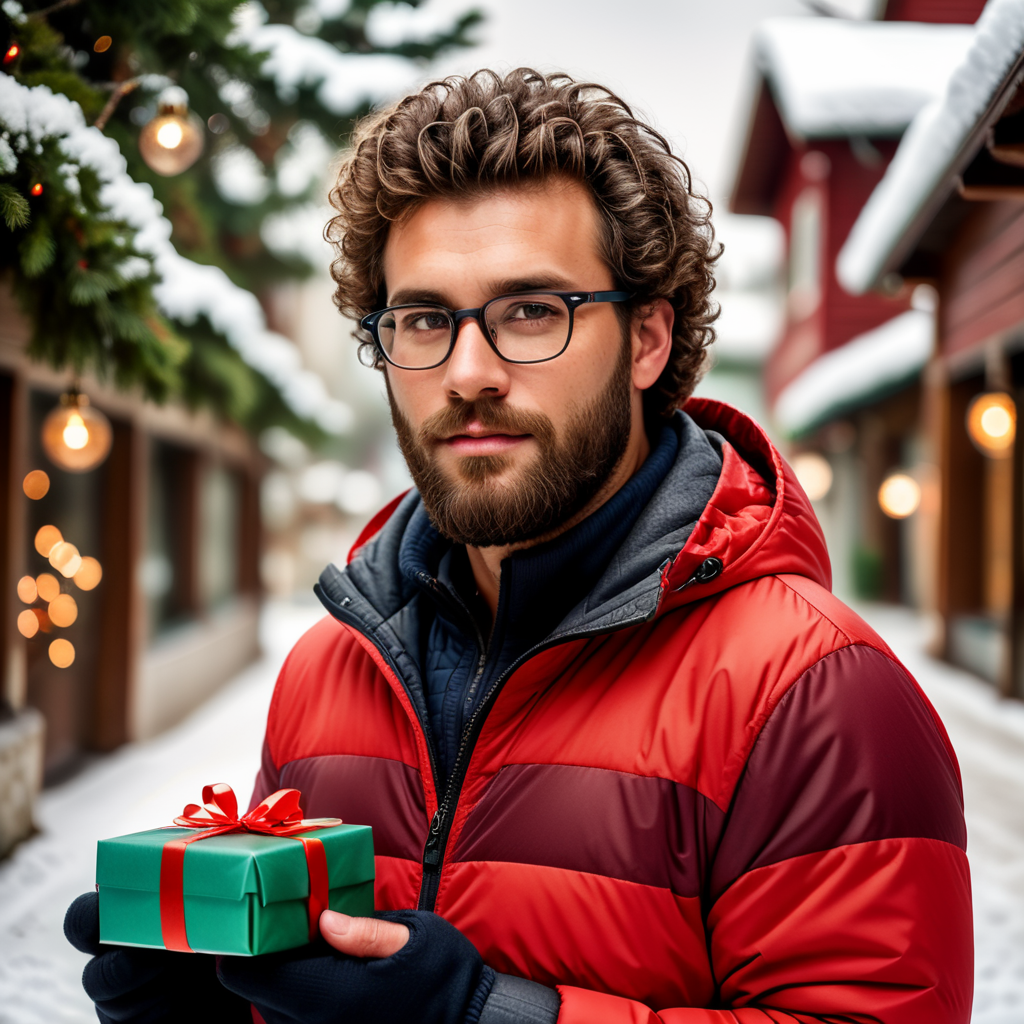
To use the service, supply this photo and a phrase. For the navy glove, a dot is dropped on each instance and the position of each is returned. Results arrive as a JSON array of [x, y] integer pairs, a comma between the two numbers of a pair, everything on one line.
[[437, 977], [147, 986]]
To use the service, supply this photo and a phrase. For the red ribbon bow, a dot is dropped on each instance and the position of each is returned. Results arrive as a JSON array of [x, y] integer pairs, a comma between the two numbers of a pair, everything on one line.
[[278, 815]]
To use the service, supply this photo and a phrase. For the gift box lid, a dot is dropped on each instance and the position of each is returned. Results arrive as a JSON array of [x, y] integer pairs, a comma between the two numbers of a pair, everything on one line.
[[229, 866]]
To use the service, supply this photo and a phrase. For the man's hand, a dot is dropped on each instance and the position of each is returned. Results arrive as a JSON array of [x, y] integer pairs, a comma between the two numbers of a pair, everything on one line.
[[363, 936], [399, 967], [147, 986]]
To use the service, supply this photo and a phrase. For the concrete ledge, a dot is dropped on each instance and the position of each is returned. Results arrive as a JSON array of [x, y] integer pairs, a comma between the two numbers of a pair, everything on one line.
[[21, 774], [181, 670]]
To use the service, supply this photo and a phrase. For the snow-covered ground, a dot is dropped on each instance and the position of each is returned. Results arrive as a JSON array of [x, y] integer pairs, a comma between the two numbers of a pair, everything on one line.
[[140, 785]]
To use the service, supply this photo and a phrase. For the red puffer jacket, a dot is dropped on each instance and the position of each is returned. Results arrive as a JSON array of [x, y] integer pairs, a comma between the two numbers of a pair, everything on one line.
[[719, 798]]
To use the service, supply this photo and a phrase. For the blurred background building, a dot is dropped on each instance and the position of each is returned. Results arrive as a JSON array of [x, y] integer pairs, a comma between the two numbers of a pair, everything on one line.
[[163, 183]]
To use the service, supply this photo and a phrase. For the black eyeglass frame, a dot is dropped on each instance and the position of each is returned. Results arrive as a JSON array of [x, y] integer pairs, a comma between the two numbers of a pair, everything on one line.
[[572, 300]]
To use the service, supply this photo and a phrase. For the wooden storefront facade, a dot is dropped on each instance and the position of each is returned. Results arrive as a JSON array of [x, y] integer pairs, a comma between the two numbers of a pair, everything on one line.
[[172, 516]]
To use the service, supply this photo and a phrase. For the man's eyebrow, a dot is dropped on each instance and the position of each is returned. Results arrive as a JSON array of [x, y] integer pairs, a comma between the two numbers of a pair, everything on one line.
[[415, 296], [540, 282]]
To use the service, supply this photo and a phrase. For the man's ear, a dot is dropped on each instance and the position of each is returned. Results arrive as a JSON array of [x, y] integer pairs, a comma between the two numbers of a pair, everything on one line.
[[652, 342]]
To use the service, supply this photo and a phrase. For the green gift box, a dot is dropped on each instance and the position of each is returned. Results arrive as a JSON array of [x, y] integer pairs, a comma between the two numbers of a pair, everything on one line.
[[244, 893]]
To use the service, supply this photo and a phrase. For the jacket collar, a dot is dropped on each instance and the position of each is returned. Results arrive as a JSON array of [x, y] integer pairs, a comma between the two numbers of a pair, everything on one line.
[[729, 496]]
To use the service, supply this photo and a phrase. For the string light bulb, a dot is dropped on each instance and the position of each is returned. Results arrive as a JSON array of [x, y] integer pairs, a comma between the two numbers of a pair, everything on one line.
[[173, 140], [76, 436], [992, 423]]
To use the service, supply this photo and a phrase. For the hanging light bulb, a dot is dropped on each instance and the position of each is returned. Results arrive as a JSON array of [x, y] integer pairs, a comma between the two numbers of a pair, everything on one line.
[[76, 437], [173, 140], [992, 423]]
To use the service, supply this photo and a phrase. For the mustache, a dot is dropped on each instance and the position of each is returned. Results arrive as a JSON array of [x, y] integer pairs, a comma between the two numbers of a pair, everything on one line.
[[494, 414]]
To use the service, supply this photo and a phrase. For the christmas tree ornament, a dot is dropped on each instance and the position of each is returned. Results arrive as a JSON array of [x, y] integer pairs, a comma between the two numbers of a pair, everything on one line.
[[76, 437], [173, 140]]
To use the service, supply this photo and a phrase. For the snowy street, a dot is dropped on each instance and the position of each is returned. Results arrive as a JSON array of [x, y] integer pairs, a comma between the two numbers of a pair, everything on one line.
[[143, 785]]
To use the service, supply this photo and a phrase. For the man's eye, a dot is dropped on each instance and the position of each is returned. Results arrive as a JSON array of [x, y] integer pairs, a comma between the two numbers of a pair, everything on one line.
[[428, 322], [529, 311]]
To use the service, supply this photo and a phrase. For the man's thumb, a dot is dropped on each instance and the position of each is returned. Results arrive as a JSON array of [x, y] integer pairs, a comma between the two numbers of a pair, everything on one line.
[[362, 936]]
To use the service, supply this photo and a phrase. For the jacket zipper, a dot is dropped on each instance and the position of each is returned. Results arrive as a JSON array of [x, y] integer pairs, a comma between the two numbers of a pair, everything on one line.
[[440, 825]]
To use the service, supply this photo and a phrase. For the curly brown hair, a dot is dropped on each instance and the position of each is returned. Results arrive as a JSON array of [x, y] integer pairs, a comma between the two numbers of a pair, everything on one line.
[[462, 136]]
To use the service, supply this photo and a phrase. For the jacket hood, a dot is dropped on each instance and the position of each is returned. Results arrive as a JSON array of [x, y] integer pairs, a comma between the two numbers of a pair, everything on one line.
[[757, 522]]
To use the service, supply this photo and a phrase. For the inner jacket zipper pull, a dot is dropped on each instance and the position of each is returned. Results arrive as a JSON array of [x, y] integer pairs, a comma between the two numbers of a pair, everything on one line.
[[432, 851]]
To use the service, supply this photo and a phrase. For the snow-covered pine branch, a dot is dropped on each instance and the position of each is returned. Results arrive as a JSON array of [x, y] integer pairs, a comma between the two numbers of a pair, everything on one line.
[[343, 82], [186, 290]]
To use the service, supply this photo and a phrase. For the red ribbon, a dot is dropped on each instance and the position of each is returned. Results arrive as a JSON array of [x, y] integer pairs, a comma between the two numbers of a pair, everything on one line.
[[278, 815]]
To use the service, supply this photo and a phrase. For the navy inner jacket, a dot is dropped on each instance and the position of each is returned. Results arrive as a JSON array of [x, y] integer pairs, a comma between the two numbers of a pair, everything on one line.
[[461, 653]]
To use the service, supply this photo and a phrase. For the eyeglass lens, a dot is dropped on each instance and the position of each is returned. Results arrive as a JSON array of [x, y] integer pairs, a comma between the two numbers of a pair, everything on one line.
[[523, 328]]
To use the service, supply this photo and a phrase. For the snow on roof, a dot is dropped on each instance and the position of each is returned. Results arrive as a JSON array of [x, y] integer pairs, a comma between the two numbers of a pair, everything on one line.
[[844, 378], [928, 151], [187, 290], [343, 80], [833, 77], [749, 326]]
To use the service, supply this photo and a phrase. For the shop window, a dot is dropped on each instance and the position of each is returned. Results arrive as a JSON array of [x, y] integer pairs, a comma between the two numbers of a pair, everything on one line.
[[805, 257], [219, 536], [166, 569]]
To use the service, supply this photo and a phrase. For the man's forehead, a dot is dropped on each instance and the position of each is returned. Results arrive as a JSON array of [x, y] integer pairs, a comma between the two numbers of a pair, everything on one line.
[[529, 237]]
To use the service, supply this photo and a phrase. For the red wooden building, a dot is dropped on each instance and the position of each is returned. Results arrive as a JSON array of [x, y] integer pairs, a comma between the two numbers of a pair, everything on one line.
[[950, 213], [833, 99]]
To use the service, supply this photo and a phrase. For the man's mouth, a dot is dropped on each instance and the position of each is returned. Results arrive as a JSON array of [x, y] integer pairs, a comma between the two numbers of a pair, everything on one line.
[[484, 442]]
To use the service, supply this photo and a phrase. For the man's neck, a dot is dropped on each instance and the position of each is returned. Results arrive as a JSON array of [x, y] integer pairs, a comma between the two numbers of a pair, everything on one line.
[[486, 562]]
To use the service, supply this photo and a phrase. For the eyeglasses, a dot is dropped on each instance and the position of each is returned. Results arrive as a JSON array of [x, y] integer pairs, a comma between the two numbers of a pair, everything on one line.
[[528, 327]]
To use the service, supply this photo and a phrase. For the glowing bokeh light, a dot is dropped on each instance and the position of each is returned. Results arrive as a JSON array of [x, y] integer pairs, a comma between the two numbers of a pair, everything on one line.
[[814, 473], [62, 653], [89, 574], [37, 189], [47, 538], [27, 590], [992, 423], [48, 587], [899, 495], [63, 611], [36, 484], [28, 624], [66, 559]]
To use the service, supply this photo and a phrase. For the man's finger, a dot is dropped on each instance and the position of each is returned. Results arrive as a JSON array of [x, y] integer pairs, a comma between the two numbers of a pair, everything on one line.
[[362, 936]]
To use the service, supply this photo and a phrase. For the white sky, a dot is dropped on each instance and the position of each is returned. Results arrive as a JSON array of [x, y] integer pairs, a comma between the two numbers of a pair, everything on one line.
[[685, 64]]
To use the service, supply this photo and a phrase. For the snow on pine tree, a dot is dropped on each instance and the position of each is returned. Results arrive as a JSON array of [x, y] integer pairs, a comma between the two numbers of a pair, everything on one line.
[[151, 279]]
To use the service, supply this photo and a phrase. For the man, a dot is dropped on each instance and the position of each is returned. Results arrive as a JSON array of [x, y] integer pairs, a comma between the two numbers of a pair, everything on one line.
[[625, 757]]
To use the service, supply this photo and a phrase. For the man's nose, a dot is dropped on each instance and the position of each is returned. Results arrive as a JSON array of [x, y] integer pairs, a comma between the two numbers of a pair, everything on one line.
[[474, 369]]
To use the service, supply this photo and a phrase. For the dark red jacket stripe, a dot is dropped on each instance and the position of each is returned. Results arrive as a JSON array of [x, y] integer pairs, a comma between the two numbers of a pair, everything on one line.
[[646, 830], [373, 791], [850, 754]]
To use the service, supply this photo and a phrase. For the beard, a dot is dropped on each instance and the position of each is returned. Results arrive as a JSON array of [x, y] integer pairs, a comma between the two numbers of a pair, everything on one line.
[[471, 506]]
